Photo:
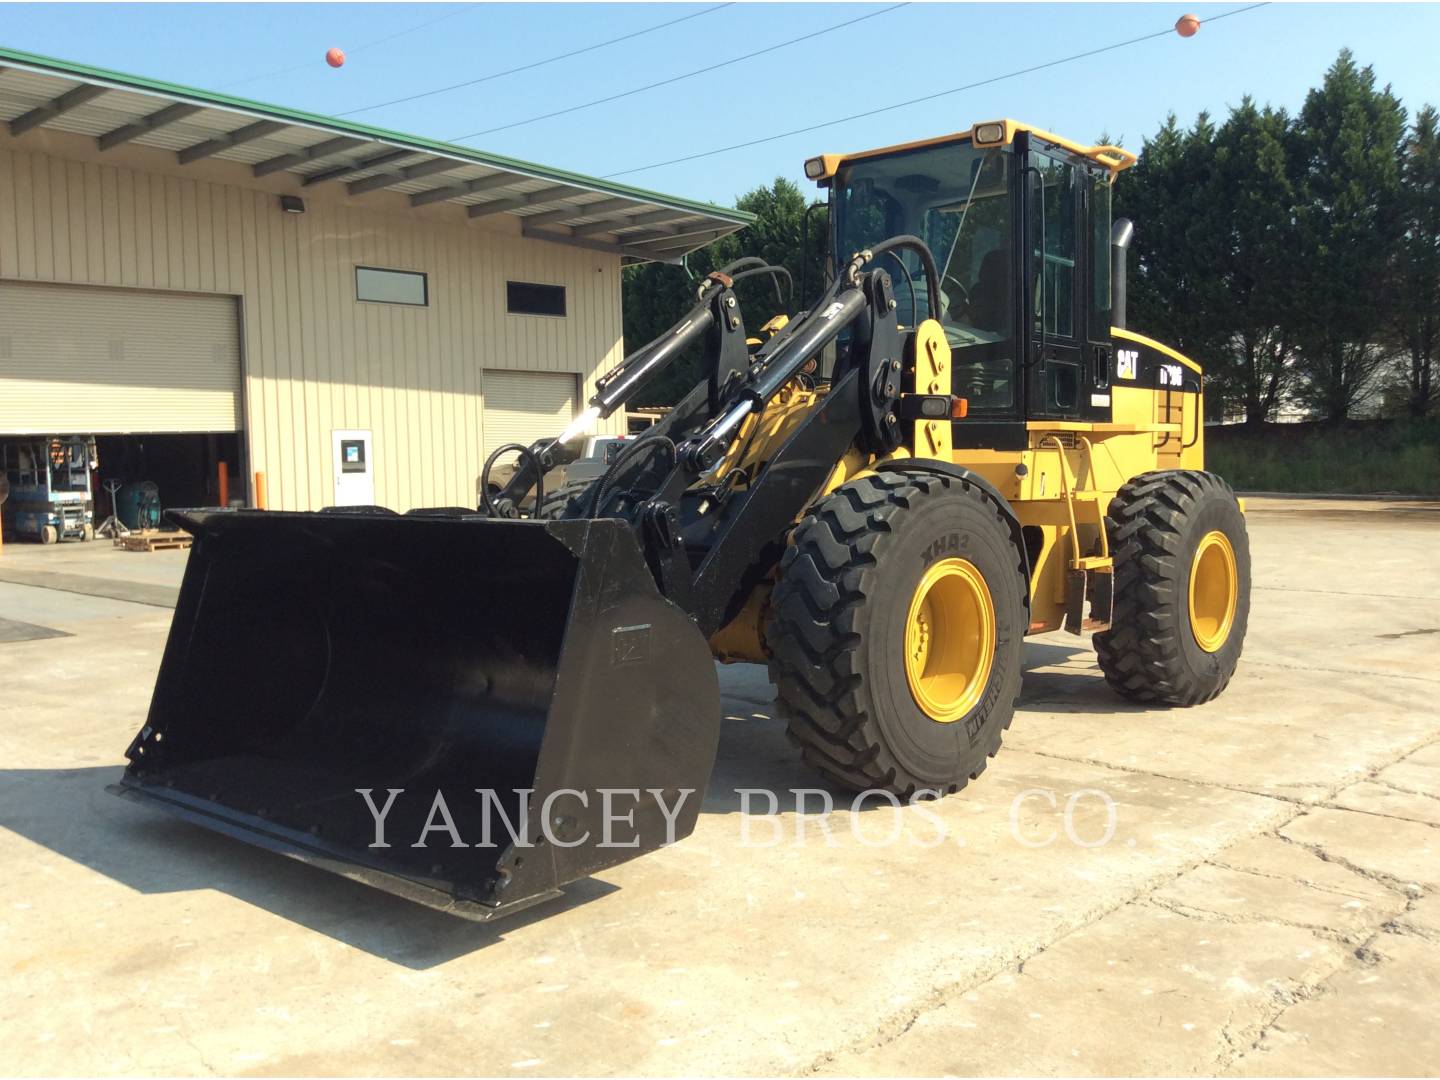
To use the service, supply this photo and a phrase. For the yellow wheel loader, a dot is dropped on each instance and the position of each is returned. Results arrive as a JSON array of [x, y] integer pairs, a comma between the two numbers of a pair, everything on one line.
[[959, 444]]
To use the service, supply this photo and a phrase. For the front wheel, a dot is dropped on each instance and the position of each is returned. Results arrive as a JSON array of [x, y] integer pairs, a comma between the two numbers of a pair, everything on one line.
[[896, 631], [1182, 588], [49, 534], [557, 503]]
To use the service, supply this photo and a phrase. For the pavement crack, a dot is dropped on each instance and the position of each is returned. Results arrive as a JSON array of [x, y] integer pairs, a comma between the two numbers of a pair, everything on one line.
[[1402, 788], [186, 1038], [1193, 911], [1340, 592], [1330, 804], [1407, 889], [1293, 800], [1369, 673], [1400, 928], [1291, 879]]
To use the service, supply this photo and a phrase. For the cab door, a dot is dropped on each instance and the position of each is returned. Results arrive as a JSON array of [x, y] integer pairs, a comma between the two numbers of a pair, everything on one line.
[[1055, 382]]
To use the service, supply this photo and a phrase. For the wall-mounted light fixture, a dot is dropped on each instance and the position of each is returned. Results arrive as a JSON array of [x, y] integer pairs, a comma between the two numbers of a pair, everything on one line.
[[292, 204]]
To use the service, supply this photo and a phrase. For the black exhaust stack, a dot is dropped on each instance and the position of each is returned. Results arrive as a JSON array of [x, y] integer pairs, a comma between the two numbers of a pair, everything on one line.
[[1120, 235]]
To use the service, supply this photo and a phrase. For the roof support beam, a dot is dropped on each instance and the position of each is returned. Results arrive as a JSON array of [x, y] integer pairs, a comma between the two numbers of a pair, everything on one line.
[[71, 99], [535, 198], [412, 172], [146, 124], [679, 237], [657, 217], [248, 133], [300, 157], [356, 166], [588, 245], [607, 206], [471, 187], [657, 247]]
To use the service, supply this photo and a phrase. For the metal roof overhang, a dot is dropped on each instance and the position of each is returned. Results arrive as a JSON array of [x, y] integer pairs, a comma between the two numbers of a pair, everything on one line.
[[194, 125]]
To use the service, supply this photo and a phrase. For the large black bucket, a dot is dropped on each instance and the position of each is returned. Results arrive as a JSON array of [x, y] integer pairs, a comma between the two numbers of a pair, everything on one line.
[[504, 677]]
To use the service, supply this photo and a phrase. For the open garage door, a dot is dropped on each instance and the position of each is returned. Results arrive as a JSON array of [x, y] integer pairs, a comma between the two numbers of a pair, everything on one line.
[[522, 406], [82, 359]]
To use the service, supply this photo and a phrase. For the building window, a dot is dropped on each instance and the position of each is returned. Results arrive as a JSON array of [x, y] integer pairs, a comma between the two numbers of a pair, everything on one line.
[[391, 286], [526, 298]]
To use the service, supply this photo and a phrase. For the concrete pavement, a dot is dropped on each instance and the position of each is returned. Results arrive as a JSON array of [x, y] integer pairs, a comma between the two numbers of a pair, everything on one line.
[[1245, 887]]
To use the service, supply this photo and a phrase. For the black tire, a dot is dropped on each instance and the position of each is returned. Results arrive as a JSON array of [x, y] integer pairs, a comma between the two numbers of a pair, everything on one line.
[[555, 502], [836, 634], [1155, 524]]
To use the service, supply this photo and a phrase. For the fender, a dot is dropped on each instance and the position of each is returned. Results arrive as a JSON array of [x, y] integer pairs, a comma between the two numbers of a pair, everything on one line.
[[959, 472]]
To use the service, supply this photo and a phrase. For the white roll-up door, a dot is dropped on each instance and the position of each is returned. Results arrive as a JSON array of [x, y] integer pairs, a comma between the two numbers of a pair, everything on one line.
[[522, 406], [77, 359]]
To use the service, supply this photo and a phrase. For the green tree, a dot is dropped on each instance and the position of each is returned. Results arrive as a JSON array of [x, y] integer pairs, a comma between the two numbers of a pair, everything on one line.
[[1255, 272], [1176, 280], [1417, 306], [655, 295], [1347, 178]]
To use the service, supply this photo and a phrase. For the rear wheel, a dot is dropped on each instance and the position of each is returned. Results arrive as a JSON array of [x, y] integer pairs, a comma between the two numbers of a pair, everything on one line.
[[87, 533], [896, 631], [1182, 588], [49, 534]]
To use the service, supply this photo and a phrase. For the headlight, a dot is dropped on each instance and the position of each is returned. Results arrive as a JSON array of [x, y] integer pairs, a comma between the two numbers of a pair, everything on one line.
[[989, 134]]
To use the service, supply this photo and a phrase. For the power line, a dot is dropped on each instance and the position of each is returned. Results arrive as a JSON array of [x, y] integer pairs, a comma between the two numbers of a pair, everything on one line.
[[928, 97], [358, 48], [679, 78], [539, 63]]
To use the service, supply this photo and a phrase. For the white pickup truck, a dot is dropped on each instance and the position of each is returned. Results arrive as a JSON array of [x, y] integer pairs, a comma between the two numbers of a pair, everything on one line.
[[599, 451]]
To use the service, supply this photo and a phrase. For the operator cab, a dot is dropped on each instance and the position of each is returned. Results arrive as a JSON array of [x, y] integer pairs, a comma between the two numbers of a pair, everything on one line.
[[1030, 335]]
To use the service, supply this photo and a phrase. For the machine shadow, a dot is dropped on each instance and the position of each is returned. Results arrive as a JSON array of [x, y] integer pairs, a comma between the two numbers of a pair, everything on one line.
[[757, 771], [1067, 679], [69, 812], [756, 758]]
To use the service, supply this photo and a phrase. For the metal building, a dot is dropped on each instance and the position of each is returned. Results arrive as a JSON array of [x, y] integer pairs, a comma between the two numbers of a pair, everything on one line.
[[196, 278]]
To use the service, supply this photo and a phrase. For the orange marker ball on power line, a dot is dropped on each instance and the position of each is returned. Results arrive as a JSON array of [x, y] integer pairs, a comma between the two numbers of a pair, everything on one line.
[[336, 57], [1187, 25]]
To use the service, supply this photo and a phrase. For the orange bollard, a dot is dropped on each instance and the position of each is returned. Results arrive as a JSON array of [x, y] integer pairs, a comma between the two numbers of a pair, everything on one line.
[[223, 484], [259, 491]]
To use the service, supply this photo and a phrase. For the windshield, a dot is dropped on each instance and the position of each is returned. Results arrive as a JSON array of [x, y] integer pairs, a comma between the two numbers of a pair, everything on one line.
[[957, 199]]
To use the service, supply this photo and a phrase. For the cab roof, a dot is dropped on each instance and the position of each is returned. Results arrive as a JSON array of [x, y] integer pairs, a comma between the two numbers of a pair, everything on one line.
[[991, 133]]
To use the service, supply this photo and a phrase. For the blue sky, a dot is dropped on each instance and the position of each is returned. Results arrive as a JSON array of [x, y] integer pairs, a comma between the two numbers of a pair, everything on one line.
[[1274, 53]]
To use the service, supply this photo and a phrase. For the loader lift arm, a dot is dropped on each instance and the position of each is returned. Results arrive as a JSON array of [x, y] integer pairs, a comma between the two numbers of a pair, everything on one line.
[[715, 319], [706, 552]]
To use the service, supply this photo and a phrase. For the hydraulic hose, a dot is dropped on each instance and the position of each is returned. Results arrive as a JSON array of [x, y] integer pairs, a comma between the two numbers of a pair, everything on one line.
[[526, 452], [915, 244], [630, 450], [821, 325], [777, 272], [909, 284]]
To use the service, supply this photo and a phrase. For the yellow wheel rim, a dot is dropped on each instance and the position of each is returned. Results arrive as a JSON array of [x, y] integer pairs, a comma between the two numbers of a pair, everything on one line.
[[1213, 591], [949, 640]]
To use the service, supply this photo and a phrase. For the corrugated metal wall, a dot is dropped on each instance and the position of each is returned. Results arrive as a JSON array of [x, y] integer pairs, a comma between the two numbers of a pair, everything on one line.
[[315, 358]]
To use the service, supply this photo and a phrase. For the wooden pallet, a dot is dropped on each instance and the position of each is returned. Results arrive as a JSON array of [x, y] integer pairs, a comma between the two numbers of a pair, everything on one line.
[[154, 540]]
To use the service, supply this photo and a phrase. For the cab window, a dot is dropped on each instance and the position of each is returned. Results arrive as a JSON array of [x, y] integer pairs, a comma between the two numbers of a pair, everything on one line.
[[958, 200], [1100, 288], [1053, 256]]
